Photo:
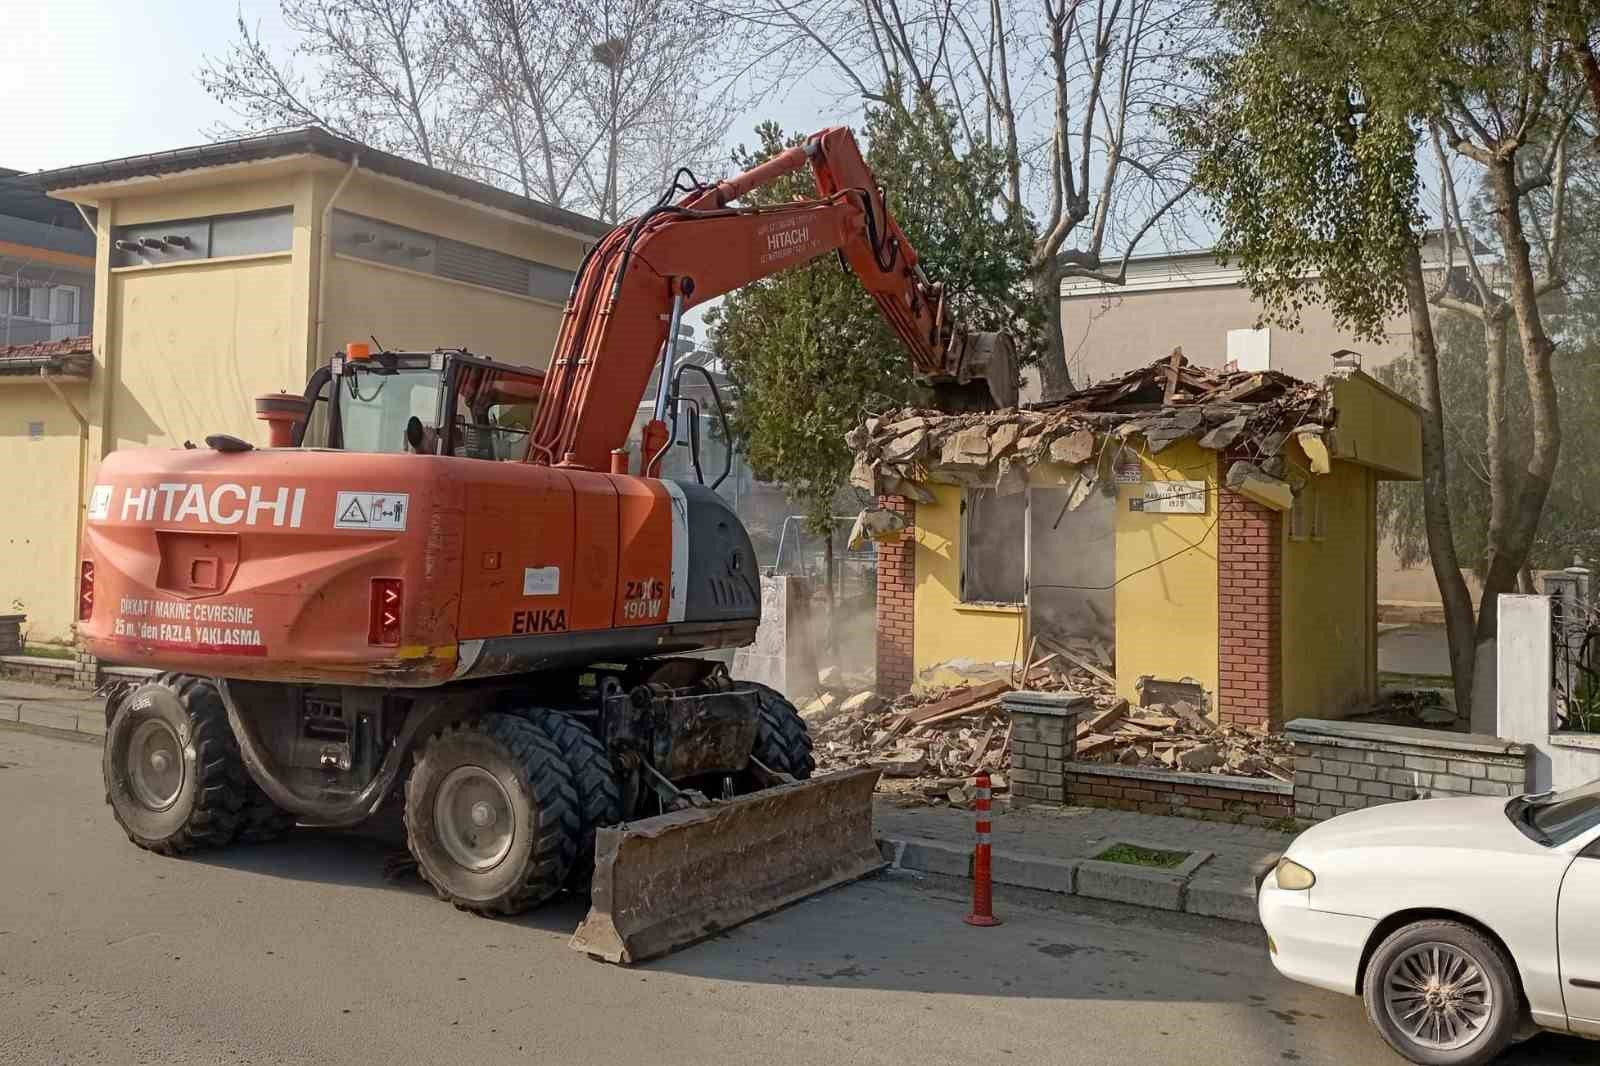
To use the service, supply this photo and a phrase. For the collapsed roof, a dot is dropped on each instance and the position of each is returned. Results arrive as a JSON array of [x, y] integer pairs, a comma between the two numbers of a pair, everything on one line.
[[1248, 415], [69, 358]]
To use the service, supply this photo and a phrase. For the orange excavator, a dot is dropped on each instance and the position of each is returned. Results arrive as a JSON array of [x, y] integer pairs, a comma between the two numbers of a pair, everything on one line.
[[442, 589]]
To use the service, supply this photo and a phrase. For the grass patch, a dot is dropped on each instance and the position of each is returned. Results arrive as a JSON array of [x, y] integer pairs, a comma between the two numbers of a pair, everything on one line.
[[1133, 855], [49, 651]]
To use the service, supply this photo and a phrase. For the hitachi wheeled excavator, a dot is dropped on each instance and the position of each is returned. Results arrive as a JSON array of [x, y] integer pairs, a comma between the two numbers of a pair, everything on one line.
[[441, 585]]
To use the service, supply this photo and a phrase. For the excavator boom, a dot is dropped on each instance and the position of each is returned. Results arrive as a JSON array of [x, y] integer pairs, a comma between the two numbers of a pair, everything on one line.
[[638, 280]]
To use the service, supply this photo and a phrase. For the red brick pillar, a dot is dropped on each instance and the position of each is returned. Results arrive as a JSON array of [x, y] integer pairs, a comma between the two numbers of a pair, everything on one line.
[[1249, 612], [897, 580]]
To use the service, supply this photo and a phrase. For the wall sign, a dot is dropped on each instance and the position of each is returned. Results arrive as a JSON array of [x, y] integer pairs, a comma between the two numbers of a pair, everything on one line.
[[1171, 497]]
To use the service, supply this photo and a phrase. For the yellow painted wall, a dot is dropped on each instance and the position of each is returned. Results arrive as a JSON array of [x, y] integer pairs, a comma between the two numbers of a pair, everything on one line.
[[38, 524], [1377, 428], [195, 345], [182, 350], [1329, 600], [408, 309], [946, 629], [1166, 570], [382, 198], [404, 309]]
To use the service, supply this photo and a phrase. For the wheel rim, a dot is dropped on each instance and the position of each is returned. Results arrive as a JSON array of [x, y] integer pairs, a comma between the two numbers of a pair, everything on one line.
[[1438, 996], [155, 764], [473, 818]]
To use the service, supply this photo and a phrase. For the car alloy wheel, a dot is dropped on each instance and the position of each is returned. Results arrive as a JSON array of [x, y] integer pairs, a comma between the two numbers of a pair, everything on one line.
[[1438, 995]]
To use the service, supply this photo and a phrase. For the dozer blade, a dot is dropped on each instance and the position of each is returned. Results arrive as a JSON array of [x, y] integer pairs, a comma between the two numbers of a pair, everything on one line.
[[663, 883]]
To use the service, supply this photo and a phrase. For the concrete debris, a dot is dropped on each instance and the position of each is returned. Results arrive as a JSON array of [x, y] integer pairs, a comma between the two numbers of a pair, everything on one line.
[[877, 524], [825, 706], [1074, 447], [1180, 736], [931, 743], [901, 763], [862, 703], [830, 678], [1171, 400]]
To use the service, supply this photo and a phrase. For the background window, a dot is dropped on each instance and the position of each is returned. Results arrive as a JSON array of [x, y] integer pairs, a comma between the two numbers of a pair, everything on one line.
[[992, 543]]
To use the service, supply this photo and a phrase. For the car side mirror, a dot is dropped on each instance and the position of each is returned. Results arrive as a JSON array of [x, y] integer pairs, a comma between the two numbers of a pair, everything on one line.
[[414, 433]]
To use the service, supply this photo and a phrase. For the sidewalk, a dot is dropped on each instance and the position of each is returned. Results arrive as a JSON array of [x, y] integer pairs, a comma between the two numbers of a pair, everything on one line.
[[30, 705], [1048, 849], [1052, 849]]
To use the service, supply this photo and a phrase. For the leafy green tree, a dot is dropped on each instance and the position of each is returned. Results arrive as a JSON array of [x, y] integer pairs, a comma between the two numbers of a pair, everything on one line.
[[1308, 142], [809, 351]]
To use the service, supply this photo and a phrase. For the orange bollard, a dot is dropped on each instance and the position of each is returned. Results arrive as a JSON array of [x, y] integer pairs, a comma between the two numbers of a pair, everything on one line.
[[982, 862]]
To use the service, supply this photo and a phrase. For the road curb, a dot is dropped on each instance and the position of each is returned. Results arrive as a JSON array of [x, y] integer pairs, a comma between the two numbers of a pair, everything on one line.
[[1188, 888], [26, 716]]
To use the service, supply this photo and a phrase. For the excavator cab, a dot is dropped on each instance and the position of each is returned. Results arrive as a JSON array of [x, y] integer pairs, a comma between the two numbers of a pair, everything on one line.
[[443, 402]]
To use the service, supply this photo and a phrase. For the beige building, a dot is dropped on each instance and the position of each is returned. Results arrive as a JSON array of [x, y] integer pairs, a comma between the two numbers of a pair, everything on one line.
[[233, 269], [1189, 300]]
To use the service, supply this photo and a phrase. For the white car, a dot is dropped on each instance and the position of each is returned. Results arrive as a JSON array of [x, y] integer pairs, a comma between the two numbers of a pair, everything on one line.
[[1463, 923]]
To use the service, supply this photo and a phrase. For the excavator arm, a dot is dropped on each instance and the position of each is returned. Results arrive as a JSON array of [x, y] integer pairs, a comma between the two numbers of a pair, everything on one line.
[[636, 282]]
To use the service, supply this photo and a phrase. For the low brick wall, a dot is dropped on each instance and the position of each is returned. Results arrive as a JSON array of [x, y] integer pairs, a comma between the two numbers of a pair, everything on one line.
[[82, 672], [1348, 766], [1212, 797], [1043, 737]]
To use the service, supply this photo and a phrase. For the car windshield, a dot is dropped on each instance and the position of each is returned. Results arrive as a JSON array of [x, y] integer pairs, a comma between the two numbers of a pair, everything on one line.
[[1557, 817]]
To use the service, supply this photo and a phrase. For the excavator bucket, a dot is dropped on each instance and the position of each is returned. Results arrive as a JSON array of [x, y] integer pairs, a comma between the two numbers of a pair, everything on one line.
[[665, 882], [992, 358]]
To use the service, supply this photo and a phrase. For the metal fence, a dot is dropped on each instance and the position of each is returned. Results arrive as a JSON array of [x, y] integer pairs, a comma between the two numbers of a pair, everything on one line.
[[1574, 650]]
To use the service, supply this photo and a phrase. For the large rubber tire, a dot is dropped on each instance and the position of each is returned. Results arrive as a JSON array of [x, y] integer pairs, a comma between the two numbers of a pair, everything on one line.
[[535, 792], [261, 820], [782, 742], [1505, 1012], [186, 786], [599, 796]]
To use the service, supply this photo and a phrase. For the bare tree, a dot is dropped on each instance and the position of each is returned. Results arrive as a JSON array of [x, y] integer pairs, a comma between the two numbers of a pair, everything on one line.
[[376, 75], [584, 104], [1068, 90]]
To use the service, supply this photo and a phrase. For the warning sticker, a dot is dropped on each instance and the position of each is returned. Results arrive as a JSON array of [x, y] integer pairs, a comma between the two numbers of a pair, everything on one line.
[[100, 502], [211, 628], [371, 510], [541, 581]]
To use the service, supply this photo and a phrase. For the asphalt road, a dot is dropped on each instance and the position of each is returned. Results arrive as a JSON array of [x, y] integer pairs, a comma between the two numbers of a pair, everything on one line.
[[300, 952]]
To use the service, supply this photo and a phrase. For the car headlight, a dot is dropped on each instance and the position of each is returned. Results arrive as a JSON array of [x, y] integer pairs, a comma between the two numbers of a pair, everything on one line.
[[1294, 877]]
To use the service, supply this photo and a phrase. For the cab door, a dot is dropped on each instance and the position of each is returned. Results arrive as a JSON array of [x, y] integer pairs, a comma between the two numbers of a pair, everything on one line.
[[1578, 918]]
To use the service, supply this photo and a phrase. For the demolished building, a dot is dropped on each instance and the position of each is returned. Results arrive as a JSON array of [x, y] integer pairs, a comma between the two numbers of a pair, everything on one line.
[[1210, 529]]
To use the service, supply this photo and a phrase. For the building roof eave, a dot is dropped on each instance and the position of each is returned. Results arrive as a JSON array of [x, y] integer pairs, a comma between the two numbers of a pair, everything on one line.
[[85, 181]]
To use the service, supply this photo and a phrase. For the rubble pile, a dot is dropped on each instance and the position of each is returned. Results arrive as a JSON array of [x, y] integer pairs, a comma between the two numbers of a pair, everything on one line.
[[1250, 414], [1181, 737], [930, 745]]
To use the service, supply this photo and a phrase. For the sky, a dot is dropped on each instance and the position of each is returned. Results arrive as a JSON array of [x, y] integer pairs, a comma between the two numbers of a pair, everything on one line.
[[112, 78]]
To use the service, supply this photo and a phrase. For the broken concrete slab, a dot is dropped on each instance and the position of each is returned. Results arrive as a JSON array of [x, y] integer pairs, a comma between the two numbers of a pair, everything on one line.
[[968, 448], [1316, 450], [1224, 435], [901, 763], [1002, 437], [877, 524], [1075, 447], [1251, 481]]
